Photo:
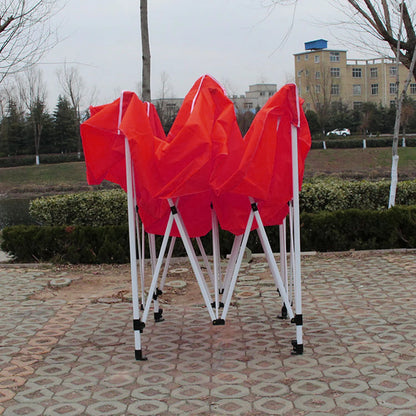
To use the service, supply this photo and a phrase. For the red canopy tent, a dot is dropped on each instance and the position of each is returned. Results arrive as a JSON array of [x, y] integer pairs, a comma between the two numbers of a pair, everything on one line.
[[204, 169]]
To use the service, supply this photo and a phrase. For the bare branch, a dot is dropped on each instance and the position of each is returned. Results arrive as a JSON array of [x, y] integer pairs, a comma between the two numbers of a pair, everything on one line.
[[386, 12], [25, 33]]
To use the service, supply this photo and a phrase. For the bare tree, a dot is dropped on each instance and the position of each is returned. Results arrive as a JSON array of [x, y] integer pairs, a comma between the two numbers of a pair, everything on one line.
[[25, 33], [319, 89], [73, 88], [144, 27], [385, 21], [32, 93], [166, 110]]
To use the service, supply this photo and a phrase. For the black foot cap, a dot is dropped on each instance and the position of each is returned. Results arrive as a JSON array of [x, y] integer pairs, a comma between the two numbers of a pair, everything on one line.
[[139, 355], [158, 316], [284, 313], [297, 348], [218, 322]]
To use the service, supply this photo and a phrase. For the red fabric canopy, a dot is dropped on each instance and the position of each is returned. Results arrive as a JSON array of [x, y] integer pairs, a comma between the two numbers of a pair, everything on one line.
[[204, 158], [265, 169]]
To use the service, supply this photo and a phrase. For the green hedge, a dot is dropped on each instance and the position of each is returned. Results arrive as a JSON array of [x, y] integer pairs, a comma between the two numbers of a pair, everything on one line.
[[60, 244], [359, 229], [27, 160], [351, 143], [110, 207], [324, 231], [85, 208], [335, 194]]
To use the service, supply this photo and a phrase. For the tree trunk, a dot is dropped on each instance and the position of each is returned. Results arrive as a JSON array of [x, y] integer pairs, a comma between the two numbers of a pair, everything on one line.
[[395, 150], [395, 154], [399, 101], [144, 26]]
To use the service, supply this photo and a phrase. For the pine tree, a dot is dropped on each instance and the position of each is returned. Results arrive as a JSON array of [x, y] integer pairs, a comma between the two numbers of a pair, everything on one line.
[[14, 130], [65, 134]]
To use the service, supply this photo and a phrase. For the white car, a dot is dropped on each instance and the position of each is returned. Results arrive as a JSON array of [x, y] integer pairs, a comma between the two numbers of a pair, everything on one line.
[[339, 132]]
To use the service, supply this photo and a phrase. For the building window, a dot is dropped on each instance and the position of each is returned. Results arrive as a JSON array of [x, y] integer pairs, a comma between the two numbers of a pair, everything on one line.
[[374, 89], [298, 58], [334, 56], [412, 88], [307, 88], [317, 75], [307, 72], [356, 105], [335, 89], [308, 106], [393, 103], [300, 73], [373, 72], [317, 59], [270, 93], [306, 57], [356, 89], [393, 88], [356, 73], [393, 71], [248, 105], [335, 72], [261, 93], [317, 89]]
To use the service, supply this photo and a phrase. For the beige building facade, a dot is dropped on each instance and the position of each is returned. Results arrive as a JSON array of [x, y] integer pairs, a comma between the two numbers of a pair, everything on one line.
[[255, 98], [326, 76]]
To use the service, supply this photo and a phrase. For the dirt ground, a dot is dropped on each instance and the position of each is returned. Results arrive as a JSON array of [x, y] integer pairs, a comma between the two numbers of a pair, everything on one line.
[[112, 283]]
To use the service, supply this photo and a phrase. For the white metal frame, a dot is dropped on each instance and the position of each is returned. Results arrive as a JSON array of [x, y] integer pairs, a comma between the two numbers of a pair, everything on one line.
[[226, 286]]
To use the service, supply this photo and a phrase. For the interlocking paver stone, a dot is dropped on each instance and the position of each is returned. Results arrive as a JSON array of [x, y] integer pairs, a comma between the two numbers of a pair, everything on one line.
[[75, 357], [65, 409], [355, 401], [106, 408]]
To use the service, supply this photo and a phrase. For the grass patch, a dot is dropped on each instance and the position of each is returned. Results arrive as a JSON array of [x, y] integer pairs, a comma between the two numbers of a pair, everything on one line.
[[370, 163], [62, 173], [407, 157]]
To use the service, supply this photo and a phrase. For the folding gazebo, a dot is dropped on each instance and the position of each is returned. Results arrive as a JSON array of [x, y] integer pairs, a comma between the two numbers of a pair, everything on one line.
[[203, 173]]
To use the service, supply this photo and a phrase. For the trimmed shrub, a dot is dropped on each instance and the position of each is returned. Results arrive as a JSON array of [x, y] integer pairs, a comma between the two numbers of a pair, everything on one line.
[[110, 207], [334, 195], [85, 208], [324, 231], [359, 229], [61, 244]]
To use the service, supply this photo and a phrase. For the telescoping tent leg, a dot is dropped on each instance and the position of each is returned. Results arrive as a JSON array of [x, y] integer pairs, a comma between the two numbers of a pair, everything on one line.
[[298, 319], [217, 260], [283, 264], [137, 323], [140, 241], [157, 311], [153, 291]]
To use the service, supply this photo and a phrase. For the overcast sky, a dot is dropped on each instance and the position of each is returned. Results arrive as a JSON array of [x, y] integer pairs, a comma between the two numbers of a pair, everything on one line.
[[239, 42]]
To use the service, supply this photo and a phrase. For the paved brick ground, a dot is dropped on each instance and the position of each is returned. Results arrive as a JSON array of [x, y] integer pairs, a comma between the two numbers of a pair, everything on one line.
[[76, 358]]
